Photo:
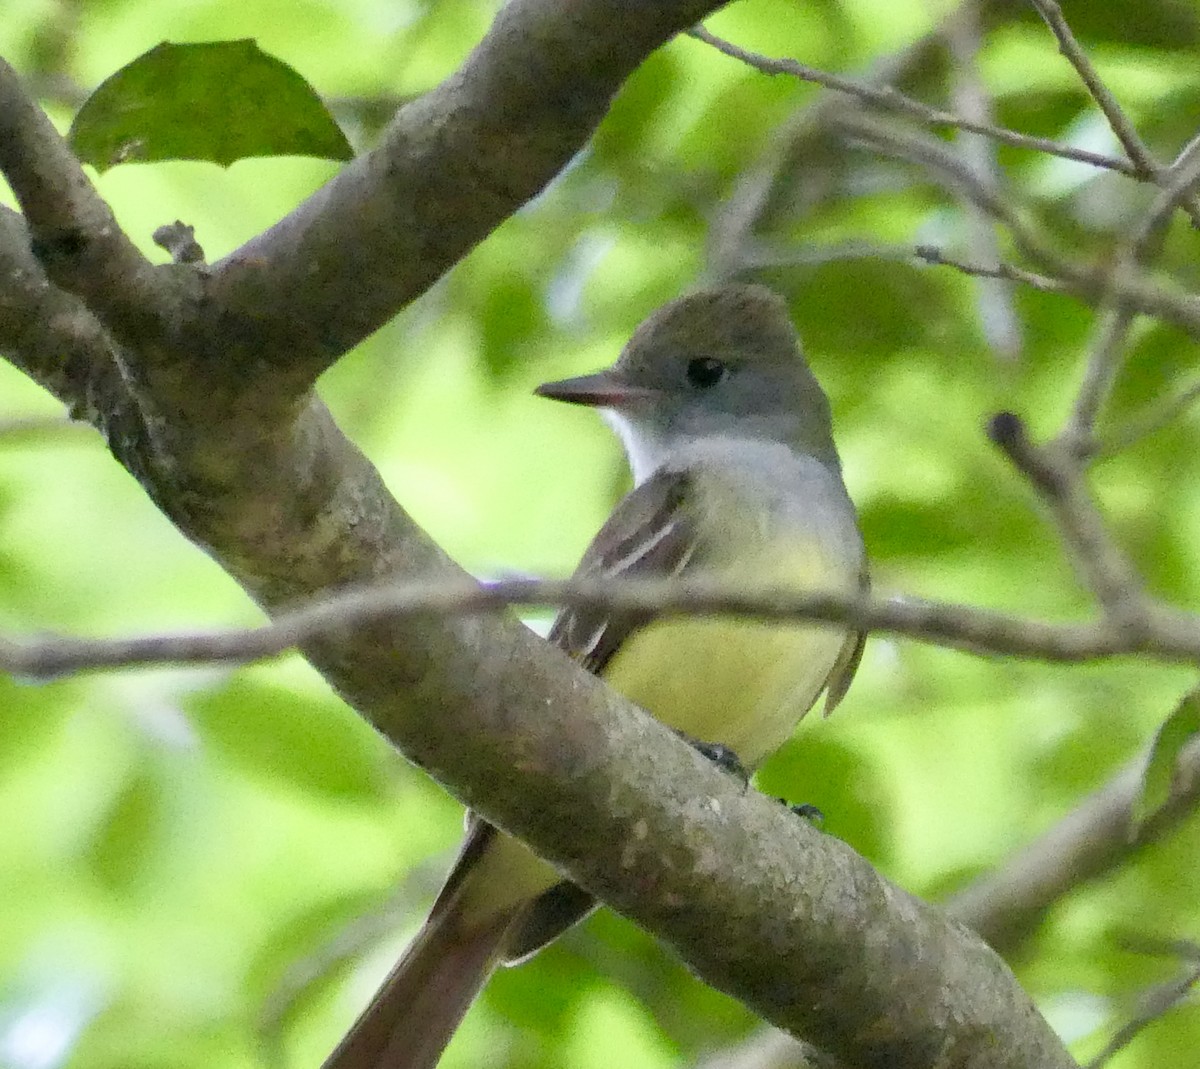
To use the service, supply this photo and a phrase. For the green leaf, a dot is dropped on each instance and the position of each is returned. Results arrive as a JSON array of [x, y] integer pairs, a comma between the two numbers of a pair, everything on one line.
[[219, 101], [1158, 780]]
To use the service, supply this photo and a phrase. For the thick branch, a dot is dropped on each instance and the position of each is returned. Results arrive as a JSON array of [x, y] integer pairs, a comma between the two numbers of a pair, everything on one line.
[[827, 949], [547, 752], [72, 229], [51, 335], [1006, 905], [451, 167]]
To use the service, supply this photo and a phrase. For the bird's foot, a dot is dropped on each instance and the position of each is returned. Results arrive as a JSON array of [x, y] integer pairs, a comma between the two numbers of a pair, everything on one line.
[[720, 755], [806, 811]]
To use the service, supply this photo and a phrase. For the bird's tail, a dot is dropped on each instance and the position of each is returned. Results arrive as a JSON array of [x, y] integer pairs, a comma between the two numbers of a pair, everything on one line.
[[411, 1019]]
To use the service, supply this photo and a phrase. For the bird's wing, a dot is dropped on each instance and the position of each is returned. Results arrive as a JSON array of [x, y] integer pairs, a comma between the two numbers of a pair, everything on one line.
[[847, 663], [648, 534]]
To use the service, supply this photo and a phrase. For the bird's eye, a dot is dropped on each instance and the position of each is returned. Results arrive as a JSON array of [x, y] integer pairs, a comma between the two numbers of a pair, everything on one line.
[[704, 372]]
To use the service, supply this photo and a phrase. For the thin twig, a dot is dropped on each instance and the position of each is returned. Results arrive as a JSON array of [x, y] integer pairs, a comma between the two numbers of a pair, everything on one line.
[[1124, 130], [936, 158], [768, 254], [1176, 185], [1179, 183], [1155, 946], [1147, 167], [1157, 1002], [892, 100], [1154, 418], [1127, 282], [931, 254], [1142, 247], [1163, 634], [790, 152], [1148, 296], [1102, 566], [994, 296], [1100, 372]]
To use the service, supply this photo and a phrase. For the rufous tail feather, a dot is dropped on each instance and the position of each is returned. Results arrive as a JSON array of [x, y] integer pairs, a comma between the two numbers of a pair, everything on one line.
[[410, 1020]]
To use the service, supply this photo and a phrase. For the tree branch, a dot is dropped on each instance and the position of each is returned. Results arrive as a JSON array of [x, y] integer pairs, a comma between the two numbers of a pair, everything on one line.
[[1093, 840], [1162, 635], [1118, 121], [1102, 566], [798, 154], [931, 254], [291, 508], [1153, 418], [1142, 247], [1124, 130], [449, 168], [944, 164], [53, 337], [1007, 905], [1157, 1002], [37, 428], [828, 948], [228, 444], [1142, 293], [72, 230], [889, 99]]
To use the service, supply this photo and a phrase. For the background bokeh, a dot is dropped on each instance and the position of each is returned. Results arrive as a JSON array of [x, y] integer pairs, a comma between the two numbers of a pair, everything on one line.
[[215, 867]]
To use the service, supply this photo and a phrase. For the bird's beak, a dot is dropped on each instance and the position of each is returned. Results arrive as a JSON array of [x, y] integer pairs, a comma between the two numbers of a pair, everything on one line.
[[602, 389]]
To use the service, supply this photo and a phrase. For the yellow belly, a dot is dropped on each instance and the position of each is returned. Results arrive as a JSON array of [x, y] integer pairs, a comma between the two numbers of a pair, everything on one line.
[[741, 683]]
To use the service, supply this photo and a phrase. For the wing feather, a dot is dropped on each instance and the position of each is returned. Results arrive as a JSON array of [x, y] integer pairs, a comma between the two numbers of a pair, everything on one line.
[[648, 534]]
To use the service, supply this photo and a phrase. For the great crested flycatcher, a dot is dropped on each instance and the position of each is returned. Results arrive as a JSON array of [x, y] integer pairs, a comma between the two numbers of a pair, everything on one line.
[[736, 476]]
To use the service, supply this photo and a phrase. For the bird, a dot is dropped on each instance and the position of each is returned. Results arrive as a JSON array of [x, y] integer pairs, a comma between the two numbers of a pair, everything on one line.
[[729, 439]]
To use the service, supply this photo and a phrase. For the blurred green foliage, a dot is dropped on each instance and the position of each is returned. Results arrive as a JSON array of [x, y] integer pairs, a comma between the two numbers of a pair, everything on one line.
[[210, 868]]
